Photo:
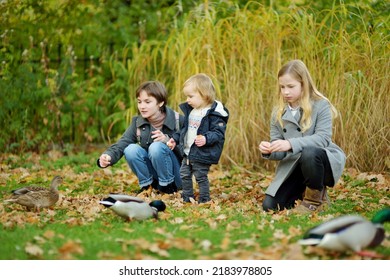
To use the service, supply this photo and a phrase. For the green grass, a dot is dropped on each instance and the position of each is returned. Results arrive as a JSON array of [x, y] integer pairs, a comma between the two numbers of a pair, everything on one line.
[[233, 227]]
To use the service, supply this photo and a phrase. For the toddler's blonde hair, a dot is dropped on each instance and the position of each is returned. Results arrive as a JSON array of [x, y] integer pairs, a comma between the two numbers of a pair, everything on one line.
[[203, 85]]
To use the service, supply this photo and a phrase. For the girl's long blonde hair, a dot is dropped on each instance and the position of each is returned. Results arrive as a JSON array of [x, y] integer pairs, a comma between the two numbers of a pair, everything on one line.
[[298, 70]]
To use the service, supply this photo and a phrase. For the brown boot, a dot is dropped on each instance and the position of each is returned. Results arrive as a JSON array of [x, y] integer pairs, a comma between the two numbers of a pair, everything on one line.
[[313, 201]]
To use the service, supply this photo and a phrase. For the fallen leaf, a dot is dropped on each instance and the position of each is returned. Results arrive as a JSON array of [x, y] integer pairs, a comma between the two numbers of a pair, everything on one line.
[[33, 250]]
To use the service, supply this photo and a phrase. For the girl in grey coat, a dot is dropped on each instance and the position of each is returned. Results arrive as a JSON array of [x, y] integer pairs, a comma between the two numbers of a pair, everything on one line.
[[301, 140]]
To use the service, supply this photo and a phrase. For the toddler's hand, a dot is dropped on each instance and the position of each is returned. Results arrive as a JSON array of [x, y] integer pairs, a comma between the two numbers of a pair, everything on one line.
[[200, 140]]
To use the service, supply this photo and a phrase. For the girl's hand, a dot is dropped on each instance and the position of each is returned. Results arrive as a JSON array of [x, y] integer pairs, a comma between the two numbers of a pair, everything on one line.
[[280, 146], [200, 140], [171, 143], [264, 147], [158, 136], [104, 160]]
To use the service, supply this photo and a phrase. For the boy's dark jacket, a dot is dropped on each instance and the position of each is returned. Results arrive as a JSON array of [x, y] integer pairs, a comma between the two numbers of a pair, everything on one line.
[[212, 126], [144, 139]]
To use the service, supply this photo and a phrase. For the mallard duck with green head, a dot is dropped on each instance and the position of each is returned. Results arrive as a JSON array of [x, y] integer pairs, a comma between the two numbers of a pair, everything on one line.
[[349, 232], [132, 207], [37, 197]]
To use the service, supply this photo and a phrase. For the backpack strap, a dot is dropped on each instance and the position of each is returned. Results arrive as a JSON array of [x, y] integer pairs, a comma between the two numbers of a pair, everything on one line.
[[138, 131], [177, 116]]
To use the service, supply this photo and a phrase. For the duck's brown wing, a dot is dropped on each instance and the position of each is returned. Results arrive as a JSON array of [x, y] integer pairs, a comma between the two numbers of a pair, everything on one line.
[[38, 198], [28, 189]]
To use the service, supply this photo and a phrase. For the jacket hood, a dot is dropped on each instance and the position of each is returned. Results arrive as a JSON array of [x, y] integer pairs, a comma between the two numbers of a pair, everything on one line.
[[221, 109], [216, 108]]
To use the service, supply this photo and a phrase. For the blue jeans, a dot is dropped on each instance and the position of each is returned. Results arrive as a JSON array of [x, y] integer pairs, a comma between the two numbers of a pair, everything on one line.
[[158, 163]]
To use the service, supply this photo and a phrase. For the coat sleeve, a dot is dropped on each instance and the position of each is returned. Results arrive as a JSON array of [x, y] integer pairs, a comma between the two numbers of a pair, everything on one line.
[[275, 134], [216, 131], [176, 137], [129, 137], [321, 129]]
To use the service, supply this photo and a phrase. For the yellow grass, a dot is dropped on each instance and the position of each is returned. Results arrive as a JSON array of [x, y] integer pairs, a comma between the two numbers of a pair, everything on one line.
[[243, 54]]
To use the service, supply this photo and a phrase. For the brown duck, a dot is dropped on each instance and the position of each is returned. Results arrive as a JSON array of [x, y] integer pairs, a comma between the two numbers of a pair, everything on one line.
[[37, 197]]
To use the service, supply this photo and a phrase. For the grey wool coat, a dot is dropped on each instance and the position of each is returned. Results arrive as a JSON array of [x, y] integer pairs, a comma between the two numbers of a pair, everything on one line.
[[318, 135]]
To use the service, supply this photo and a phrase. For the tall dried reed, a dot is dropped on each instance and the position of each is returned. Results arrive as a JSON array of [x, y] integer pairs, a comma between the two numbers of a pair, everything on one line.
[[243, 53]]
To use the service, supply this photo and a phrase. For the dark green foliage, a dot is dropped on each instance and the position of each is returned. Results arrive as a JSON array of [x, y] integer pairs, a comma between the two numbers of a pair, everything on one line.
[[62, 76]]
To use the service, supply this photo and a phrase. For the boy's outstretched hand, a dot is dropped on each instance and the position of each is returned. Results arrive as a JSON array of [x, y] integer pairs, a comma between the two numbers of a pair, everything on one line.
[[104, 160]]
